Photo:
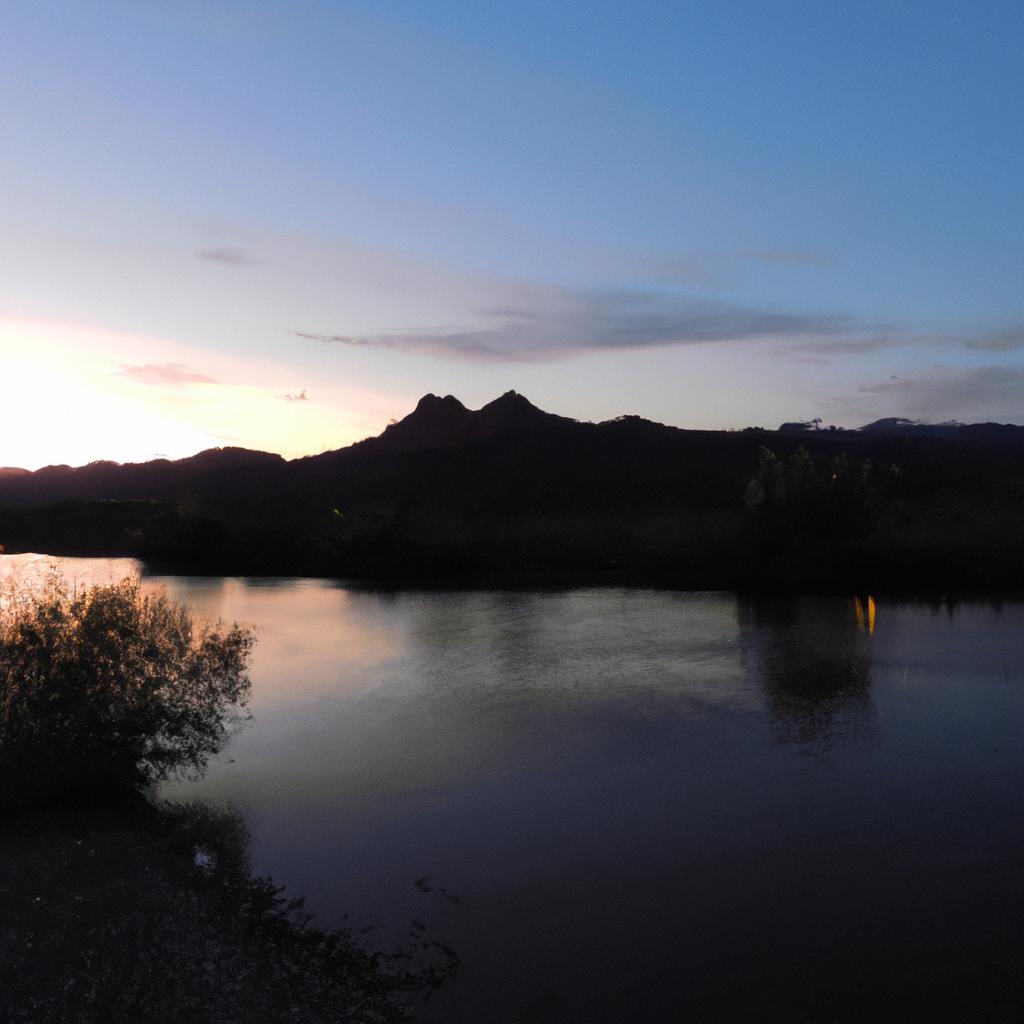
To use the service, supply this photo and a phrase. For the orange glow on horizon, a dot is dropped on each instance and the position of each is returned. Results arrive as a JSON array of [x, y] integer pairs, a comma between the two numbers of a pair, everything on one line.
[[68, 400]]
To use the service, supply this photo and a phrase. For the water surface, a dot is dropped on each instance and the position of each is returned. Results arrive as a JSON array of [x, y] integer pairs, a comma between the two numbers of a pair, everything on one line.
[[639, 805]]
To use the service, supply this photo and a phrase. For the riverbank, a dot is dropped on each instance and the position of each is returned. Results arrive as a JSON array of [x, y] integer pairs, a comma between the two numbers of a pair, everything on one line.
[[135, 911], [920, 571]]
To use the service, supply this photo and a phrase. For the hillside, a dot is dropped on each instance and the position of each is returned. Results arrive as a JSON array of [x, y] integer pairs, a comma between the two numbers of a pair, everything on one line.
[[510, 491]]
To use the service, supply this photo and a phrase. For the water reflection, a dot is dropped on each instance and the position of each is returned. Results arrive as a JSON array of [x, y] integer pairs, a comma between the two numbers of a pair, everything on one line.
[[361, 694], [322, 642], [32, 569], [814, 661], [637, 653], [607, 780]]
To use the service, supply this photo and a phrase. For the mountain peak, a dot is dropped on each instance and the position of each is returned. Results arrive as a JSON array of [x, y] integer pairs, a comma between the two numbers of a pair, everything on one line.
[[431, 404], [510, 400], [445, 422], [434, 421], [511, 407]]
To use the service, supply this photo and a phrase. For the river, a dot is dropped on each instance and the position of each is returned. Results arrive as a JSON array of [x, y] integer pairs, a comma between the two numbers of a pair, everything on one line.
[[637, 805]]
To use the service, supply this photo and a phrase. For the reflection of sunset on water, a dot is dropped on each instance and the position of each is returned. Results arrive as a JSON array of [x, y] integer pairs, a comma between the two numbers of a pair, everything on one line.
[[322, 640], [319, 642], [33, 569]]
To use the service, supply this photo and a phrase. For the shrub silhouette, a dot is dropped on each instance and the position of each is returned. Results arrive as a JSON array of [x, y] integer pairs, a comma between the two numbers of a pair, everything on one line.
[[108, 686], [799, 499]]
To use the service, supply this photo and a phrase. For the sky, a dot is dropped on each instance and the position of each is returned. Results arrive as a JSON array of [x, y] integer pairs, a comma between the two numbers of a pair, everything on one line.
[[278, 224]]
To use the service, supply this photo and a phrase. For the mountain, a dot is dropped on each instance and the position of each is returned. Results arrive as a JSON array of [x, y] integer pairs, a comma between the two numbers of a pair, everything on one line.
[[1003, 434], [898, 425], [224, 471], [446, 422], [509, 490]]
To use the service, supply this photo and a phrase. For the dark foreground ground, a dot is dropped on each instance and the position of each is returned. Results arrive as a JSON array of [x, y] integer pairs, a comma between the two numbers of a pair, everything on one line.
[[127, 917], [144, 913]]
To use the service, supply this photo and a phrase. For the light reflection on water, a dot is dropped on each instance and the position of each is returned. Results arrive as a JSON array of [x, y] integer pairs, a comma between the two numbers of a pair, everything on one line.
[[34, 569], [643, 800]]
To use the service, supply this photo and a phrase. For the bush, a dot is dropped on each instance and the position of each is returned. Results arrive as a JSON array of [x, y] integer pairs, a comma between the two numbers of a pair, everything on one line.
[[109, 686]]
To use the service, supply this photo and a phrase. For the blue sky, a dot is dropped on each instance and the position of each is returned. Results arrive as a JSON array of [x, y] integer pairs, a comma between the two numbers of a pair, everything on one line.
[[711, 214]]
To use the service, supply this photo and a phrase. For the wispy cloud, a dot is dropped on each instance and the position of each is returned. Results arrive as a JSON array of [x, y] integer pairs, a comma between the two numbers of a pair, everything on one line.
[[226, 254], [164, 374], [1006, 339], [538, 324], [852, 345], [945, 393]]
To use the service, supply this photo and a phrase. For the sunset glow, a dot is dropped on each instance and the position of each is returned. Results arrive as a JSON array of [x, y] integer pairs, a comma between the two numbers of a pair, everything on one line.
[[511, 512], [716, 218], [78, 387]]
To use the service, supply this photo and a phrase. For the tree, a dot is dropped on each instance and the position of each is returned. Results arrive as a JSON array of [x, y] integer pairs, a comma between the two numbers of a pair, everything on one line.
[[108, 685], [799, 500]]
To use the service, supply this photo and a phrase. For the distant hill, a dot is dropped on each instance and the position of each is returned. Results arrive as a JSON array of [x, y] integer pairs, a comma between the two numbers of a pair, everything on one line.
[[999, 433], [510, 491], [227, 471], [897, 425]]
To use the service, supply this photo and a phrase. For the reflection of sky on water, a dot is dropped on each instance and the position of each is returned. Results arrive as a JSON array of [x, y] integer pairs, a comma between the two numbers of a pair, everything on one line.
[[362, 694], [319, 643], [612, 782]]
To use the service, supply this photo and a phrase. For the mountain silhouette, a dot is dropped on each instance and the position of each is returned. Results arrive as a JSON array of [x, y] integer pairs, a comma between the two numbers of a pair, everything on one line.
[[509, 489], [446, 422], [899, 425]]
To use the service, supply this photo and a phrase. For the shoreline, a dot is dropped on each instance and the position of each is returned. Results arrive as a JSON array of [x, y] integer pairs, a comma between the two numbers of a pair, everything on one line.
[[924, 579]]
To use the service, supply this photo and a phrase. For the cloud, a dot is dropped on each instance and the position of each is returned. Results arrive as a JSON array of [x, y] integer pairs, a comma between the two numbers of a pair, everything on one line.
[[880, 337], [788, 257], [896, 383], [163, 374], [851, 345], [956, 393], [1007, 339], [300, 397], [683, 269], [226, 254], [546, 323]]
